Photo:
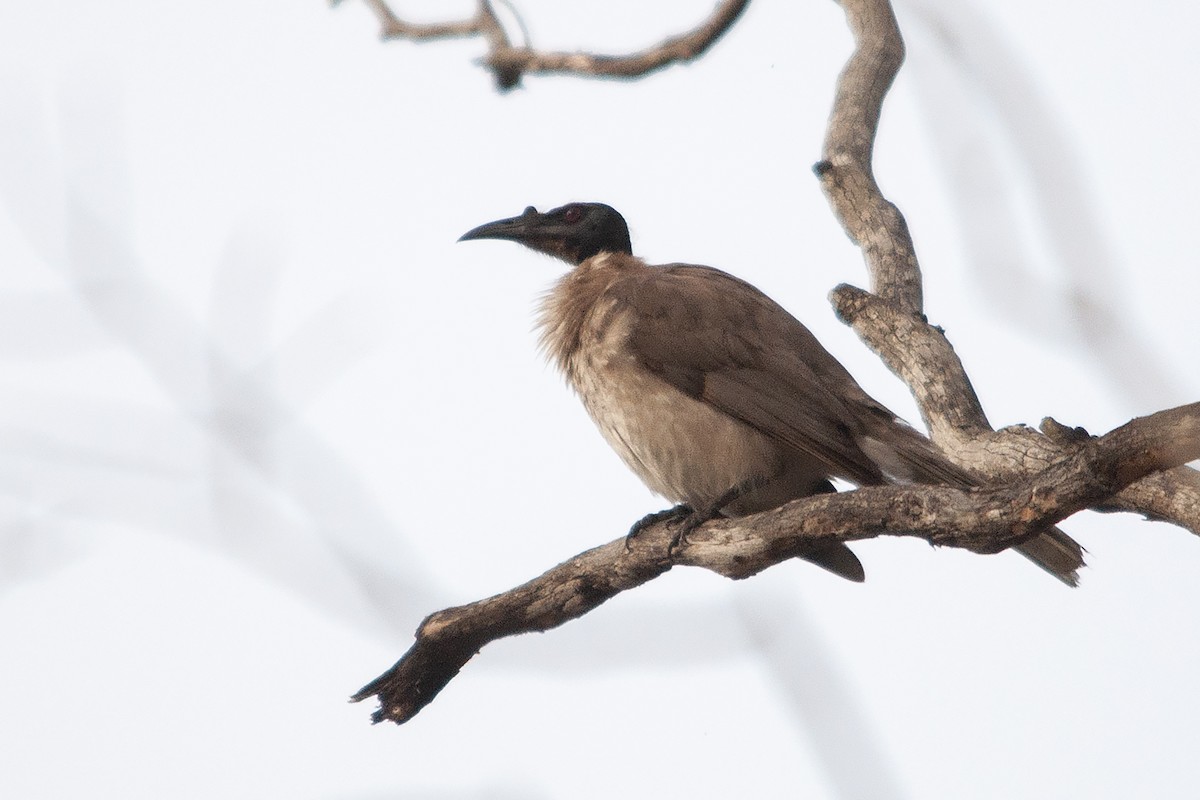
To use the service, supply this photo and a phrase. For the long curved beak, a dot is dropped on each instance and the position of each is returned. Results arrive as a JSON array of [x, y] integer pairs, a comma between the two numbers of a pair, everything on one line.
[[516, 229]]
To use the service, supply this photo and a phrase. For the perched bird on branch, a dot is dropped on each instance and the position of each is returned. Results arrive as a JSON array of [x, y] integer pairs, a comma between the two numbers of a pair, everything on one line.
[[718, 398]]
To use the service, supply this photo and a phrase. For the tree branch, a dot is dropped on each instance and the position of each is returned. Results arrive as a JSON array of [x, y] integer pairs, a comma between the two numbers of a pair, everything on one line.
[[925, 361], [890, 321], [392, 27], [983, 521], [923, 358], [871, 221], [508, 63]]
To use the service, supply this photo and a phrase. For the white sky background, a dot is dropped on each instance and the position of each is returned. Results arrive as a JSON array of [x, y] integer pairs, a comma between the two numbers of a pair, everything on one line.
[[260, 414]]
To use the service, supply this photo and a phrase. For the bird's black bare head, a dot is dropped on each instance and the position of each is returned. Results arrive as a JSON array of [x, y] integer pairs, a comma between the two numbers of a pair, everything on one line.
[[575, 232]]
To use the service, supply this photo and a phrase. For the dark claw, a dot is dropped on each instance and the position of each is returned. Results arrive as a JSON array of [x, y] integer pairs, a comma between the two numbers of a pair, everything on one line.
[[693, 521], [680, 511]]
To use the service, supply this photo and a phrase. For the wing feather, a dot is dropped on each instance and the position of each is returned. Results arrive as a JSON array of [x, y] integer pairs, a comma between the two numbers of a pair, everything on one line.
[[719, 339]]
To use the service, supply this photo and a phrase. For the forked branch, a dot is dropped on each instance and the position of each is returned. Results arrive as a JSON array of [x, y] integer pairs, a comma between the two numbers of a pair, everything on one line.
[[509, 62]]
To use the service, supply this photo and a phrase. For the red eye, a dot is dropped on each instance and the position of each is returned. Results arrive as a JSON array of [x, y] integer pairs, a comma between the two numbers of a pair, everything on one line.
[[573, 215]]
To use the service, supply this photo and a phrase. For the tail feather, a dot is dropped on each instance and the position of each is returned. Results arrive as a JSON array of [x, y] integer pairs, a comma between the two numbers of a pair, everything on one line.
[[1055, 552], [838, 559], [909, 457]]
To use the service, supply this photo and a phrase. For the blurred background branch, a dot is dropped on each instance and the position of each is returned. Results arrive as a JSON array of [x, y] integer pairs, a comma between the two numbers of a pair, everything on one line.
[[508, 63]]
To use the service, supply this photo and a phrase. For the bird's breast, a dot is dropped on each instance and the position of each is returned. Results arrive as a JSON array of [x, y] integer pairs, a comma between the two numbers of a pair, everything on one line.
[[681, 447]]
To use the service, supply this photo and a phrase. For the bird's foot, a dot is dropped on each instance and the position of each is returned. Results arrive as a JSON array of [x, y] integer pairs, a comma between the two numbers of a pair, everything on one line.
[[690, 523], [681, 511]]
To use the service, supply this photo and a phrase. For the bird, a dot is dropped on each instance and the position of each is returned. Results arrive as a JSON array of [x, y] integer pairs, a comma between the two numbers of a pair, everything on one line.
[[712, 393]]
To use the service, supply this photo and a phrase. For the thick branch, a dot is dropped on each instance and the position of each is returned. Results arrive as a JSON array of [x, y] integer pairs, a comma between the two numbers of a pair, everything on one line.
[[509, 63], [1172, 496], [925, 360], [889, 321], [873, 223], [983, 521]]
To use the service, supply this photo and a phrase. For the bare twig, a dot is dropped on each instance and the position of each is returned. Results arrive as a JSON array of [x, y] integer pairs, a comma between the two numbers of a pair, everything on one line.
[[983, 521], [392, 27], [509, 63]]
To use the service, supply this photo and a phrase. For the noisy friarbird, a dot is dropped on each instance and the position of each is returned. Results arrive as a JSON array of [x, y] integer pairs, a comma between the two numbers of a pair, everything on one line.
[[718, 398]]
